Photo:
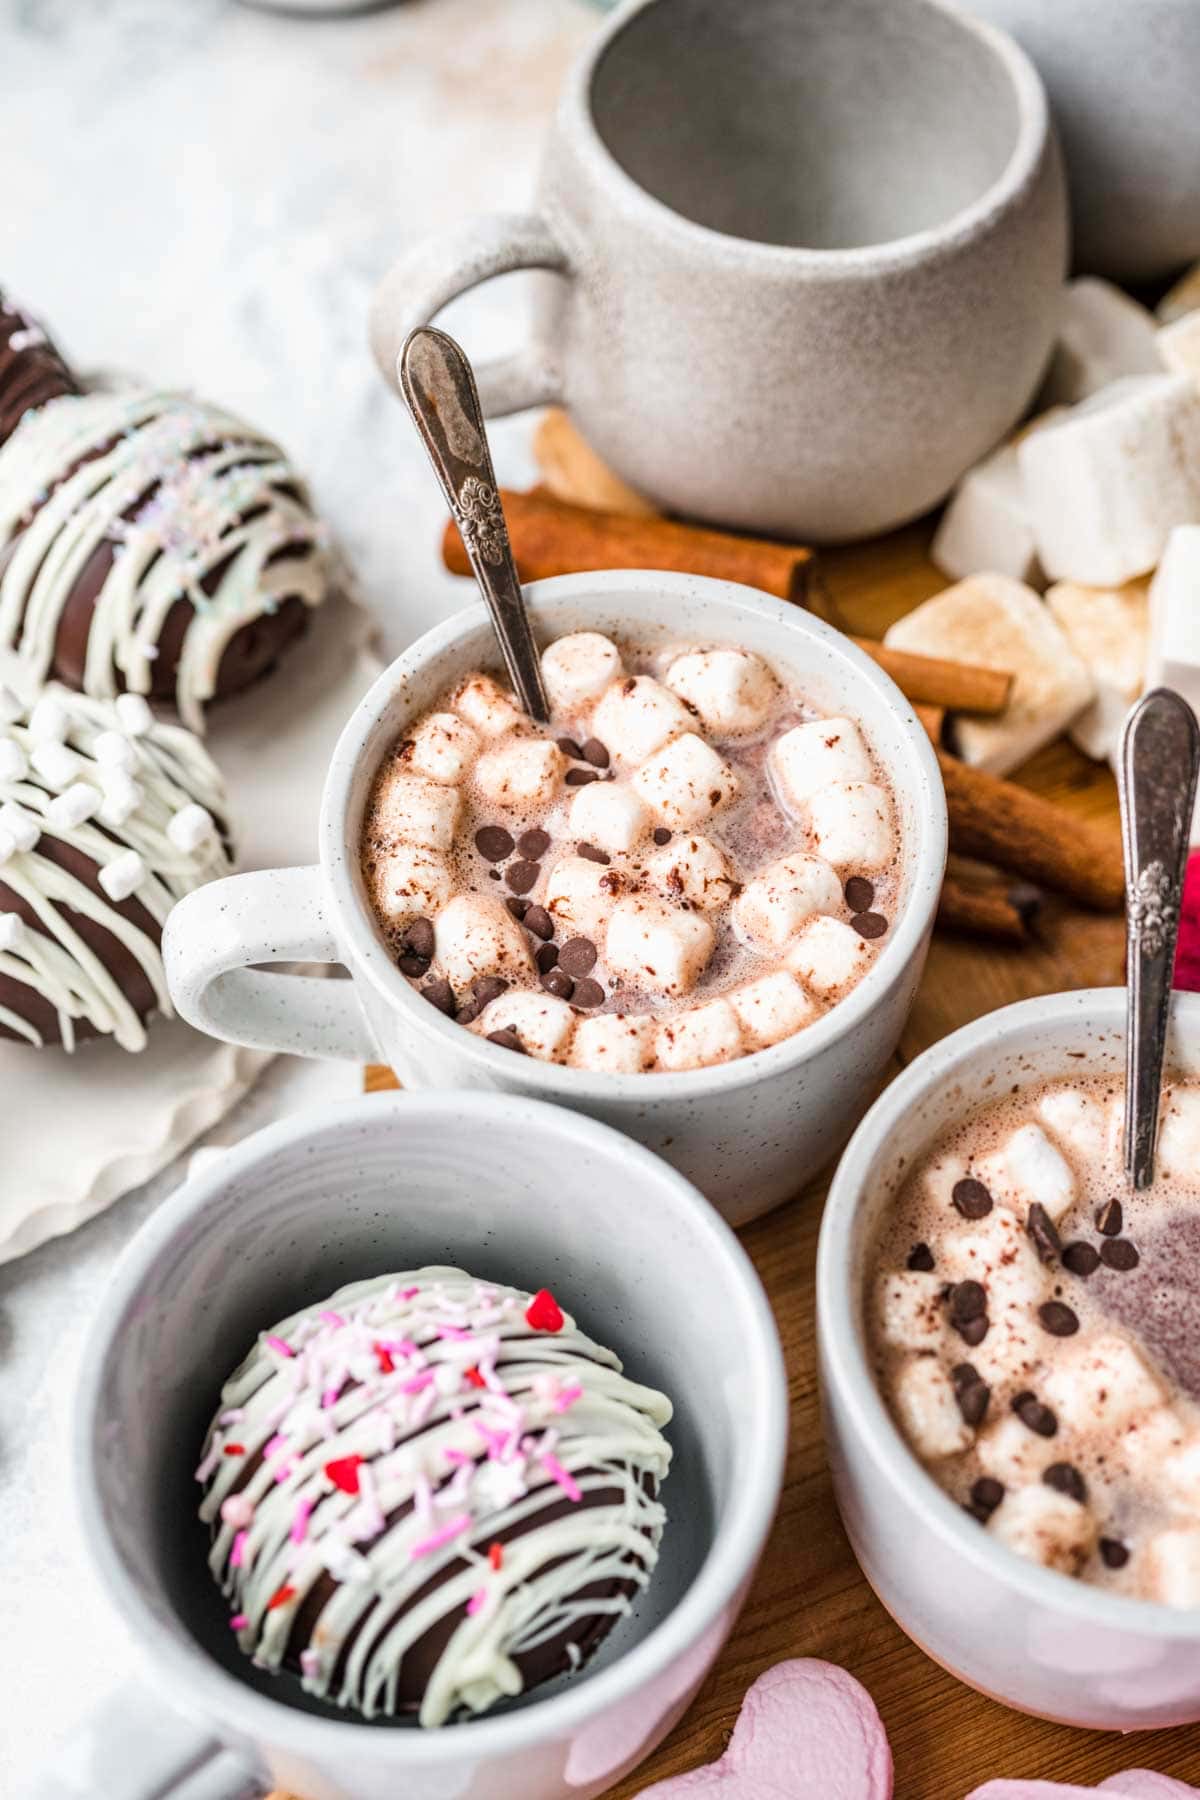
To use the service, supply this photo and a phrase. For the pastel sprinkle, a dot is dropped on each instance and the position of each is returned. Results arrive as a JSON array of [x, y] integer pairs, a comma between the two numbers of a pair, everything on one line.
[[278, 1344], [409, 1293], [568, 1397], [383, 1357], [556, 1472], [477, 1602], [299, 1530], [237, 1511], [329, 1317], [281, 1596], [446, 1535], [238, 1622], [237, 1555], [496, 1555], [455, 1333], [415, 1383], [234, 1450], [310, 1663], [276, 1444], [343, 1472]]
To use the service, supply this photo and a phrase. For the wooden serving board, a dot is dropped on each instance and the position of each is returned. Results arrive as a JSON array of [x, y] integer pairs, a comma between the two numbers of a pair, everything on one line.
[[810, 1598]]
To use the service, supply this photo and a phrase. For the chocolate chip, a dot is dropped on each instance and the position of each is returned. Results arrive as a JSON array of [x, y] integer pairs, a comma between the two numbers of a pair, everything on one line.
[[1110, 1220], [967, 1300], [1041, 1229], [1035, 1414], [869, 924], [973, 1331], [507, 1040], [546, 957], [517, 907], [558, 983], [415, 966], [494, 843], [920, 1257], [971, 1198], [661, 835], [538, 920], [418, 940], [1080, 1258], [986, 1495], [521, 876], [971, 1391], [578, 956], [595, 753], [1113, 1553], [534, 844], [580, 777], [485, 990], [588, 993], [570, 748], [1119, 1253], [1058, 1319], [441, 995], [1065, 1478], [860, 893], [590, 853]]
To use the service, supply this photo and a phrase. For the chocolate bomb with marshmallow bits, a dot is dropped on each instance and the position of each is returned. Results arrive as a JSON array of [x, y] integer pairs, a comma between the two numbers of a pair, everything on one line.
[[430, 1494], [108, 816], [31, 369]]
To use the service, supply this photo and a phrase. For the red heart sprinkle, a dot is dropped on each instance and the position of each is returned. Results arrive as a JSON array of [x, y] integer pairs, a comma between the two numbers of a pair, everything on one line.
[[280, 1597], [343, 1472], [496, 1555], [543, 1312], [474, 1377], [384, 1359]]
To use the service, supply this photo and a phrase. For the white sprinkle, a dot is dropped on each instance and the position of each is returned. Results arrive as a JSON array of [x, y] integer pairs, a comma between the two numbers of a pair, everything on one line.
[[134, 714], [13, 932], [49, 722], [11, 707], [114, 751], [56, 764], [14, 764], [122, 797], [21, 826], [123, 876], [73, 806], [190, 827], [344, 1563]]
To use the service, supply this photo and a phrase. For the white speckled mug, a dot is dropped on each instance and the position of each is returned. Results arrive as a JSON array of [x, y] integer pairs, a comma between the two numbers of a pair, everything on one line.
[[1024, 1635], [750, 1132], [807, 256]]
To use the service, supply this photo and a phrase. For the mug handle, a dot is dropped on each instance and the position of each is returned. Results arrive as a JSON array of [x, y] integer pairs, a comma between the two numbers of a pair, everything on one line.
[[213, 937], [433, 273], [131, 1747]]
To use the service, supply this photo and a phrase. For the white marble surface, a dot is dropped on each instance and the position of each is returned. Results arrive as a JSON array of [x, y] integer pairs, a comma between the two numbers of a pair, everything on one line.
[[206, 194]]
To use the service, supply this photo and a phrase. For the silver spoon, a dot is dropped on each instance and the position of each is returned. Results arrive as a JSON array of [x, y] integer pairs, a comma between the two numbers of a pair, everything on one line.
[[439, 387], [1156, 775]]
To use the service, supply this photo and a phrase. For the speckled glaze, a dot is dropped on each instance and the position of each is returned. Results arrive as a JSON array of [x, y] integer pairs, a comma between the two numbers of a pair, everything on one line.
[[809, 256], [515, 1191], [748, 1133], [1122, 78], [1029, 1637]]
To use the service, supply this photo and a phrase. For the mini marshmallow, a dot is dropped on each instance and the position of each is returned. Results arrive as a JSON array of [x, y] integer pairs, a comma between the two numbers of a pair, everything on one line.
[[985, 529], [850, 824], [656, 947], [23, 827], [1082, 1123], [609, 815], [409, 882], [14, 933], [1171, 1565], [732, 690], [685, 783], [475, 935], [577, 668], [56, 764], [699, 1038], [927, 1411], [134, 715], [12, 707], [443, 748], [485, 706], [1182, 298], [909, 1309], [73, 806], [1039, 1171], [1102, 336], [1106, 484], [1109, 631], [1047, 1527], [996, 1252], [416, 811], [191, 827], [521, 775], [1178, 1151], [1180, 1476], [691, 870], [1008, 1450], [637, 716], [14, 764], [1103, 1382], [543, 1023], [812, 756], [1173, 655], [123, 876], [575, 897], [772, 1008], [827, 955], [49, 722], [121, 799], [771, 909], [113, 750], [1002, 624], [614, 1043], [1179, 346]]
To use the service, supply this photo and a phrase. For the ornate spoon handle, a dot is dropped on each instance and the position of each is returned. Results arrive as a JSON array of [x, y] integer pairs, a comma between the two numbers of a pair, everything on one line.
[[437, 383], [1160, 755]]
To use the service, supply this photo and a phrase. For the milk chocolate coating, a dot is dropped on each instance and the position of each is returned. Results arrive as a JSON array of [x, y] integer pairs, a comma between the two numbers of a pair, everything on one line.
[[30, 375]]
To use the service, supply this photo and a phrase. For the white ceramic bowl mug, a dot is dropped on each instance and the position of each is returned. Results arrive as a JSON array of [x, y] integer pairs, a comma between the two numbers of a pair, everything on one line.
[[806, 253], [749, 1133], [511, 1190], [1025, 1635]]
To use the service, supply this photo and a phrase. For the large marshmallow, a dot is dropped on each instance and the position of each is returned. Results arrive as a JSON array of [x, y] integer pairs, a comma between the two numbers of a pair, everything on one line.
[[1035, 1171], [929, 1416], [699, 1037], [637, 716], [657, 948], [1103, 1382], [1109, 631], [691, 870], [476, 935], [1173, 655], [485, 706], [1002, 624], [909, 1310], [812, 756], [520, 775], [411, 810], [577, 668], [1179, 346], [851, 826], [410, 883], [1107, 484], [575, 898], [1102, 336], [685, 782], [1007, 1449], [773, 906], [1171, 1566], [827, 955], [1178, 1150], [609, 815], [985, 529], [1084, 1124], [1047, 1527], [614, 1043], [443, 747], [732, 690], [997, 1252], [772, 1008], [543, 1023]]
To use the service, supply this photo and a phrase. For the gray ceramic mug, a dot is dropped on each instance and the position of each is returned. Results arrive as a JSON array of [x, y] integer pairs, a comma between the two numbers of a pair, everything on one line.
[[808, 254]]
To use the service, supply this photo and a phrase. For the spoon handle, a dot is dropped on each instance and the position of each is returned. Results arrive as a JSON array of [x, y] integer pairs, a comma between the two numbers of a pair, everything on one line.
[[439, 387], [1160, 755]]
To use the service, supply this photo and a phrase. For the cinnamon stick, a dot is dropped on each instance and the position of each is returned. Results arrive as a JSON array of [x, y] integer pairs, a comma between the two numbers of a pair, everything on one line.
[[932, 718], [959, 687], [1002, 915], [1004, 824], [573, 472]]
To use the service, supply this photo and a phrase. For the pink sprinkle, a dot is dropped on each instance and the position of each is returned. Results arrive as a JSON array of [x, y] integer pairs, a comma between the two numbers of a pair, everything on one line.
[[209, 1464], [299, 1529], [237, 1555], [415, 1383], [568, 1397], [454, 1332], [495, 1440], [446, 1535], [232, 1416], [283, 1472], [409, 1293], [237, 1511], [238, 1622], [329, 1317], [556, 1472], [276, 1444], [458, 1458], [329, 1397], [477, 1602], [278, 1344]]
